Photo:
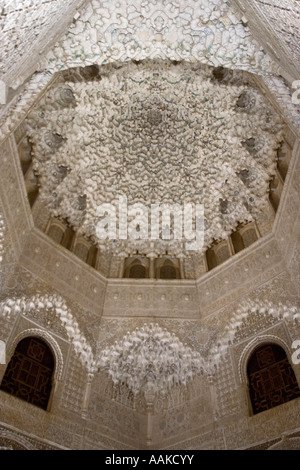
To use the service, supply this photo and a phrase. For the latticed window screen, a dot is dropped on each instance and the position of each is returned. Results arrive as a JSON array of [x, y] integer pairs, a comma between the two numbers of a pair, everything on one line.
[[81, 251], [56, 233], [272, 381], [249, 237], [137, 271], [29, 373], [222, 254], [167, 272]]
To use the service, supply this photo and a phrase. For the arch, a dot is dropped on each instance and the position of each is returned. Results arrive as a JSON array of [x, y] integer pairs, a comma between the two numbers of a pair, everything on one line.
[[280, 312], [38, 302], [136, 268], [271, 379], [222, 252], [167, 268], [244, 236], [81, 250], [217, 254], [249, 235], [29, 373], [13, 441], [251, 346], [168, 271], [69, 235], [137, 271], [52, 343], [56, 232]]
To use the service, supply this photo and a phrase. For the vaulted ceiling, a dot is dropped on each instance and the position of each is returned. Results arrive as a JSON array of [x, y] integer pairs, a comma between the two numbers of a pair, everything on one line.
[[170, 101], [157, 132]]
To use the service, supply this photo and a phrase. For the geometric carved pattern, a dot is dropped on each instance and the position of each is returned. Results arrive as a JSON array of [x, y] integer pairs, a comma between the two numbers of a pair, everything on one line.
[[228, 402], [195, 30], [272, 381], [254, 324], [74, 385]]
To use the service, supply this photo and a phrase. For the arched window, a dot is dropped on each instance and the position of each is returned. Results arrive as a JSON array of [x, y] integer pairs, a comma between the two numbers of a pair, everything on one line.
[[168, 271], [137, 271], [272, 381], [249, 236], [222, 252], [29, 372], [82, 251], [217, 254], [136, 267], [167, 268], [244, 237], [56, 232]]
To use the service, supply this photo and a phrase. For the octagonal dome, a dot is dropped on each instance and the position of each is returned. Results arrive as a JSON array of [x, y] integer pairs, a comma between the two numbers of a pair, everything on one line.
[[157, 133]]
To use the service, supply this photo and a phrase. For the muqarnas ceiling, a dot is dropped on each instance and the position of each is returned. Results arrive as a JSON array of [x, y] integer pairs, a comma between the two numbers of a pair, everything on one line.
[[157, 132]]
